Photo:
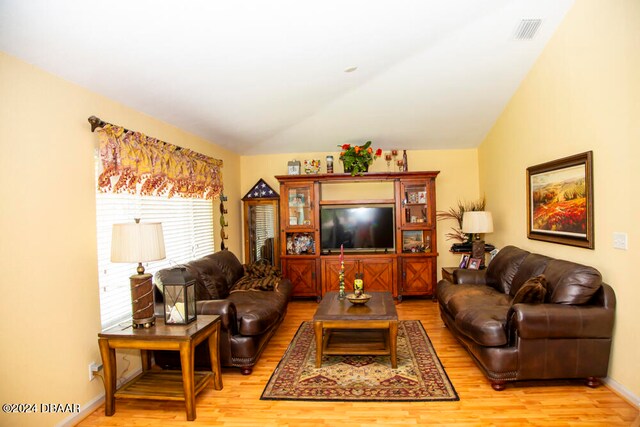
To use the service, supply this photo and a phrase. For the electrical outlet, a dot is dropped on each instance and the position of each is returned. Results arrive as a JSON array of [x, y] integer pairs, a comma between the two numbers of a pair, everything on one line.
[[93, 369], [620, 241]]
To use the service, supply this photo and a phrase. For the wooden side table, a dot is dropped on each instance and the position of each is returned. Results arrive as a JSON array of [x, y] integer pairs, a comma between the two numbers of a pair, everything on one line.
[[159, 384]]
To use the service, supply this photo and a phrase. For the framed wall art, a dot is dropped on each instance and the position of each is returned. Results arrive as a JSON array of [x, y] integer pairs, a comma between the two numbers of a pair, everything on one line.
[[560, 201]]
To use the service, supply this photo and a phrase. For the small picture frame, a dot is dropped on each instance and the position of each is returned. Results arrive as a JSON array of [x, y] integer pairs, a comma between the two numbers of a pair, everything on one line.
[[422, 197], [474, 263], [293, 220], [464, 260], [293, 167]]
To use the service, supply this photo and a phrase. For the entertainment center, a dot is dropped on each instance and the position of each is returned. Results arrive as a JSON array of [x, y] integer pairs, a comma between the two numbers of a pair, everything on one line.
[[390, 240]]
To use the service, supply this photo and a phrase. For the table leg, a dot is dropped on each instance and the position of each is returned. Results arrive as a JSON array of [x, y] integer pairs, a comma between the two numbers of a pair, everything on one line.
[[317, 326], [186, 360], [214, 349], [393, 343], [109, 363], [146, 360]]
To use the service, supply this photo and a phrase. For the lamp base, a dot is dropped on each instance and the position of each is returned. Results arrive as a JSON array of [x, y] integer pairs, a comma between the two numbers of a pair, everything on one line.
[[142, 301], [477, 251], [143, 323]]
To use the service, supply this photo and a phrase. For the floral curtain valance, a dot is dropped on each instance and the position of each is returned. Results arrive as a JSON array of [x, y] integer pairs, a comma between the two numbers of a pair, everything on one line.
[[132, 161]]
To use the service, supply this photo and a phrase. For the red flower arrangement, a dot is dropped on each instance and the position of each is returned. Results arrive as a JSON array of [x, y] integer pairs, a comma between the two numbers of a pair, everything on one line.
[[357, 159]]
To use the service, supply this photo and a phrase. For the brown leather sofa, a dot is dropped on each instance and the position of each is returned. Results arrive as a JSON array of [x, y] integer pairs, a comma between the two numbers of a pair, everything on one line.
[[249, 318], [566, 336]]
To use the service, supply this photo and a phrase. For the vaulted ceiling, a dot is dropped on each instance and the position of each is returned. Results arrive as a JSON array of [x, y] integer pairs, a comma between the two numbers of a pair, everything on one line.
[[273, 76]]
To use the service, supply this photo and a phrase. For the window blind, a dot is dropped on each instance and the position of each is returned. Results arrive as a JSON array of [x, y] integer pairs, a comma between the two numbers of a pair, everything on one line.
[[187, 225], [263, 219]]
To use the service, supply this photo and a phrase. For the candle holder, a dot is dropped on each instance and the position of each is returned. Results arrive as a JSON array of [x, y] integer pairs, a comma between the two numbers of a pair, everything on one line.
[[341, 294], [388, 158], [400, 164]]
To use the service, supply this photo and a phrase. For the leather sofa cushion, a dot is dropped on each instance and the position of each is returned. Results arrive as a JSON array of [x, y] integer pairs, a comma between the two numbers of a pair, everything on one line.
[[503, 268], [571, 283], [210, 277], [446, 290], [533, 265], [258, 311], [484, 322], [470, 298]]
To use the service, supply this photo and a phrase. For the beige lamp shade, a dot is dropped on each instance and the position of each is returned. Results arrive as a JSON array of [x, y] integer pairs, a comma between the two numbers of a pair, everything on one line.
[[137, 242], [476, 222]]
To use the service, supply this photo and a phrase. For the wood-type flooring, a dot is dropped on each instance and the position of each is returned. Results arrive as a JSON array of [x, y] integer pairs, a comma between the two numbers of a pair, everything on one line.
[[545, 403]]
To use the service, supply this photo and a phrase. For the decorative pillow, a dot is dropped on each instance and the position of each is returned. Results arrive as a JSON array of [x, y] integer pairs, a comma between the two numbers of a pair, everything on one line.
[[532, 291], [258, 277], [248, 283]]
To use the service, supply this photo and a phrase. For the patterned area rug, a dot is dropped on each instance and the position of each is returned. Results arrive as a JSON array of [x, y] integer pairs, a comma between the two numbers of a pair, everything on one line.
[[419, 376]]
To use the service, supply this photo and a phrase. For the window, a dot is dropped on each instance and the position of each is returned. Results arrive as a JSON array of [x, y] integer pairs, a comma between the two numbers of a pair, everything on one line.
[[188, 234]]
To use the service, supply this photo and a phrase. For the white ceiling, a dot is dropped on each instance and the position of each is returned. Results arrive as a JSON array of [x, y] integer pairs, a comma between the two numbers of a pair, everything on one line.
[[260, 76]]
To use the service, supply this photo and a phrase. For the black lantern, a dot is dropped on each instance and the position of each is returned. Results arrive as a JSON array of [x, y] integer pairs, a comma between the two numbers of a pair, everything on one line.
[[179, 292]]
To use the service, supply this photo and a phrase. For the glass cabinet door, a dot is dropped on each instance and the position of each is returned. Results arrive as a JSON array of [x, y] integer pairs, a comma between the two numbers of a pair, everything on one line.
[[415, 204], [299, 206], [261, 232]]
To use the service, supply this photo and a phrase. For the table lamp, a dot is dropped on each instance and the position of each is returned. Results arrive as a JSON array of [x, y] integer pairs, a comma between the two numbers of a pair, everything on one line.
[[477, 222], [139, 242]]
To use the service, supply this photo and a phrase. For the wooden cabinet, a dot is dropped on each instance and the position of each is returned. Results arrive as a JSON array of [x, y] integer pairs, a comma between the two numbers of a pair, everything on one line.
[[302, 273], [378, 272], [408, 269], [418, 275], [299, 236]]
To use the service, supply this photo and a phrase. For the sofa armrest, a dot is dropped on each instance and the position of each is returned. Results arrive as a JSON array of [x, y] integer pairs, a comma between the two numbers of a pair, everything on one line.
[[534, 321], [469, 277], [225, 309], [285, 287]]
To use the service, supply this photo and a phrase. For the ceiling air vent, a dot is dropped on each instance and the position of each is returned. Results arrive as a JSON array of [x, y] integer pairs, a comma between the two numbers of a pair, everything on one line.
[[527, 29]]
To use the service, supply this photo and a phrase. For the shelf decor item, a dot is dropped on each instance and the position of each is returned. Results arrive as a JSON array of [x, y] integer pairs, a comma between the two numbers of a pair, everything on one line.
[[139, 242], [179, 292], [311, 166], [358, 299], [357, 159], [329, 164], [293, 167], [358, 284]]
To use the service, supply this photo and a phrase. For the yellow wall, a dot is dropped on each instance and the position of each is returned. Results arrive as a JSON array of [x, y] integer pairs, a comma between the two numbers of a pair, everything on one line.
[[458, 180], [582, 94], [50, 304]]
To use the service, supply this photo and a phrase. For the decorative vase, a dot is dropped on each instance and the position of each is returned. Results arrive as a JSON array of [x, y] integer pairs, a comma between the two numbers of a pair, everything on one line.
[[350, 170]]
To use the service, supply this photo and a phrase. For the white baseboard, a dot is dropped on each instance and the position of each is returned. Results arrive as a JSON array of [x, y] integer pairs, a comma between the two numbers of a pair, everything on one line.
[[622, 391], [88, 408]]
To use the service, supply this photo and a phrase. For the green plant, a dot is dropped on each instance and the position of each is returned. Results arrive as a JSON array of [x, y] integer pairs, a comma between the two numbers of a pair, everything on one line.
[[358, 158], [457, 213]]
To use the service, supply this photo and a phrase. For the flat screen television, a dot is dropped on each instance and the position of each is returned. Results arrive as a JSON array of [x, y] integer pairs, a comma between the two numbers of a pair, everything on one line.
[[358, 228]]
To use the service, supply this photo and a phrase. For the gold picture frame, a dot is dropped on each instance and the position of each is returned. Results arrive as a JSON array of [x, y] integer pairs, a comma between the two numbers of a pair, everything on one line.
[[560, 201]]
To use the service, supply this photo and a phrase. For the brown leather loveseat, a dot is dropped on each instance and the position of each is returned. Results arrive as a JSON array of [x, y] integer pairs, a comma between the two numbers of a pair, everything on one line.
[[567, 335], [249, 317]]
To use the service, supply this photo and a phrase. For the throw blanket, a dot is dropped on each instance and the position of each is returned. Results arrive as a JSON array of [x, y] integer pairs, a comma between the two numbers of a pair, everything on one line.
[[258, 277]]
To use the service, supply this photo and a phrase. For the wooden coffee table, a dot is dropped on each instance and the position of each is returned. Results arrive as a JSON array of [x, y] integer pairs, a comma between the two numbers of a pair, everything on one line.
[[342, 328], [162, 384]]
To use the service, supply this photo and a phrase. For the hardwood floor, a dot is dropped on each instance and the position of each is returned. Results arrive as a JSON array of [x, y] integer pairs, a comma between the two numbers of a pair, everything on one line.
[[556, 403]]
